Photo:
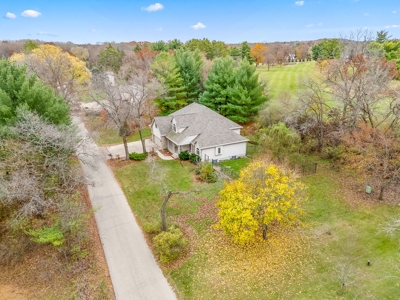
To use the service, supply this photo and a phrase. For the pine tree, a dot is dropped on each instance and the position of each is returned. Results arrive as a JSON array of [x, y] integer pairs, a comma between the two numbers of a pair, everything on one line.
[[190, 66], [164, 67], [233, 92], [17, 90], [111, 58], [246, 95], [245, 52], [218, 84]]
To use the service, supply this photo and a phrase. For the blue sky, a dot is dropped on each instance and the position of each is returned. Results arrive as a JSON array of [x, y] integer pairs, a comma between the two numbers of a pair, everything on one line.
[[91, 21]]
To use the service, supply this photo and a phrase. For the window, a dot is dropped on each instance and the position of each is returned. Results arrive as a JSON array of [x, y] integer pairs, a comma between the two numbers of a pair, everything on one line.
[[156, 125], [198, 151], [218, 150], [174, 127]]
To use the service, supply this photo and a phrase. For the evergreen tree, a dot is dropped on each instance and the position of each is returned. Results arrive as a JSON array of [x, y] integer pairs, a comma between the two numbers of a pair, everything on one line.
[[17, 90], [164, 67], [190, 66], [159, 46], [245, 52], [233, 92], [246, 95], [137, 48], [29, 46], [235, 53], [219, 82], [327, 49], [111, 58]]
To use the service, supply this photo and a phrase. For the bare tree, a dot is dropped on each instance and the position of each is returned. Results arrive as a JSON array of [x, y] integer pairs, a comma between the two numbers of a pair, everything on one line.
[[35, 170], [118, 109], [157, 174], [360, 81], [313, 109], [141, 91]]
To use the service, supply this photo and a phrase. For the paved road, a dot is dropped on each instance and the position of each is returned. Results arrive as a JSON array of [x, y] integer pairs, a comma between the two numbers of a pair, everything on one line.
[[133, 269]]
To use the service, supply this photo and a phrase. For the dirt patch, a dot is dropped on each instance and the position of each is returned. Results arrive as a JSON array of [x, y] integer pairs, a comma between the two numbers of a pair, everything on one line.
[[8, 292], [165, 152]]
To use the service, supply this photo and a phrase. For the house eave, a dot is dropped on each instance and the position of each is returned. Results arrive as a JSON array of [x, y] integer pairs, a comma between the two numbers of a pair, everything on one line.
[[208, 147]]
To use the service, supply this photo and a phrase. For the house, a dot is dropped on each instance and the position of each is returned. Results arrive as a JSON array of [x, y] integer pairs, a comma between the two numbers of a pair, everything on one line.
[[199, 130]]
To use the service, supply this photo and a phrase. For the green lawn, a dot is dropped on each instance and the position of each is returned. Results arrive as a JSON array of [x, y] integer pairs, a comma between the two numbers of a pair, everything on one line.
[[302, 265], [286, 78], [235, 165]]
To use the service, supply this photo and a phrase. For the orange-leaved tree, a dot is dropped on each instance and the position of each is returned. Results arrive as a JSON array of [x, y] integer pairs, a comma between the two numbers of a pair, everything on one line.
[[375, 154], [258, 53], [263, 195]]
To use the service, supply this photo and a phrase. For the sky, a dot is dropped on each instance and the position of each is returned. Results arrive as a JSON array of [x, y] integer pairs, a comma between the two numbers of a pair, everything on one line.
[[231, 21]]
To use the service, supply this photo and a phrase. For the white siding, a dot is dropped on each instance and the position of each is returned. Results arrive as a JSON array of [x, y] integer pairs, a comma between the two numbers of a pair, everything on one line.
[[155, 130], [228, 151], [236, 131]]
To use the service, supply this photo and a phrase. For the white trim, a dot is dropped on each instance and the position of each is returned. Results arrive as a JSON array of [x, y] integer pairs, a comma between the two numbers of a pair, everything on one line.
[[209, 147]]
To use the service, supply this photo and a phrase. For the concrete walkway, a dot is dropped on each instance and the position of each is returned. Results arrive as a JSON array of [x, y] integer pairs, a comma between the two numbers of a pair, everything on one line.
[[133, 269], [132, 147]]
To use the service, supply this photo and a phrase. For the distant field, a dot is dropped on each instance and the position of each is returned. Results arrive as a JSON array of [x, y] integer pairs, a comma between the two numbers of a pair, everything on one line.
[[286, 78]]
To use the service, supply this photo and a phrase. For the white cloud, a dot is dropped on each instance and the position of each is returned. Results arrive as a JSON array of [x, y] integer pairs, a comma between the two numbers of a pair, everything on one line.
[[45, 33], [30, 13], [93, 30], [299, 3], [392, 26], [153, 7], [320, 24], [10, 15], [159, 29], [366, 14], [198, 26], [310, 25], [395, 12]]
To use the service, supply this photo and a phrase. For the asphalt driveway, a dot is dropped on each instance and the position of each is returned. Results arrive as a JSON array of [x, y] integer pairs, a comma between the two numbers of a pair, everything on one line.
[[134, 271]]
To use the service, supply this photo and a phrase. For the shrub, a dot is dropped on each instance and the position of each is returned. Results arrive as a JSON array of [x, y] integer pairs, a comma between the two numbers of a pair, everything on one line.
[[152, 228], [207, 173], [170, 244], [138, 156], [184, 155], [194, 158], [44, 235]]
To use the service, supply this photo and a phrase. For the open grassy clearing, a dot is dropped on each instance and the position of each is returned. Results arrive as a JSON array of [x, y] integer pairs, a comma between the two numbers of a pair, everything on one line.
[[299, 265], [286, 78]]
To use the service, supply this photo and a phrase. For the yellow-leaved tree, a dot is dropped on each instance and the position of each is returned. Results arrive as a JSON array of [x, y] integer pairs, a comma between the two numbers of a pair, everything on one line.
[[65, 73], [263, 195], [258, 52]]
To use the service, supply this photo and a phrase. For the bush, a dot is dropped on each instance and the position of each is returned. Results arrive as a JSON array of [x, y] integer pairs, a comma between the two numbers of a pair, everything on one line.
[[170, 244], [184, 155], [194, 158], [152, 228], [44, 235], [138, 156], [207, 173]]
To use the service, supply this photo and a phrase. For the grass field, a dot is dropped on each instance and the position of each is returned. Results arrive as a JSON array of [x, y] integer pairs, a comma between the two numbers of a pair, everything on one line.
[[286, 78], [312, 263]]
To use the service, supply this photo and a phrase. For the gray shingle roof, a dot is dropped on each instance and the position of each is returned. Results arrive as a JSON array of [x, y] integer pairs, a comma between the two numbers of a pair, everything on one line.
[[163, 124], [211, 128]]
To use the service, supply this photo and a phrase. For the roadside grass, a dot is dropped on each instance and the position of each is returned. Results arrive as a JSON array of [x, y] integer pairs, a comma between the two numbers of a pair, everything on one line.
[[303, 264], [287, 78]]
